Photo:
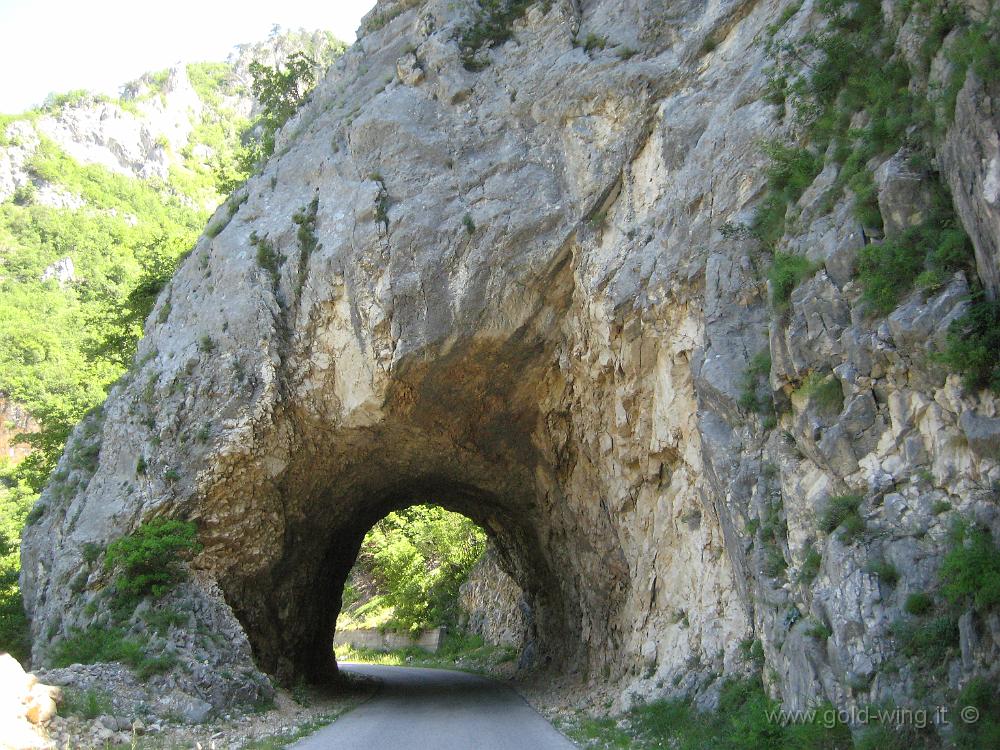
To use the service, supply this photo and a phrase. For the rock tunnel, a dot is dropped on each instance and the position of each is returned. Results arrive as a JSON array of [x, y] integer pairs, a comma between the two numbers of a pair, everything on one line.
[[458, 436], [407, 307]]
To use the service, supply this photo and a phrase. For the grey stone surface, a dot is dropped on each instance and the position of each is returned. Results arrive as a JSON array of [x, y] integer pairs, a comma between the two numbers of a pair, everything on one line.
[[568, 374]]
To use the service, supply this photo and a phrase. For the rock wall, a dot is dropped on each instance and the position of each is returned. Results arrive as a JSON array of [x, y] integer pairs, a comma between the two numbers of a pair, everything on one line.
[[493, 606], [506, 291], [14, 421]]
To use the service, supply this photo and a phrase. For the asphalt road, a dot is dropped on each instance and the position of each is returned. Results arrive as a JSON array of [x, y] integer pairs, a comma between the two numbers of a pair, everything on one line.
[[436, 709]]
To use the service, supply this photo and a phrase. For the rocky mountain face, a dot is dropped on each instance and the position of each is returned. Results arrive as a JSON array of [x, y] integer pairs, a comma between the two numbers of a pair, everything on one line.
[[519, 283], [14, 421], [492, 605], [157, 128]]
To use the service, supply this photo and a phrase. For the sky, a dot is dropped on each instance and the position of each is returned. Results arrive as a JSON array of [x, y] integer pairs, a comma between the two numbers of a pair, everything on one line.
[[59, 45]]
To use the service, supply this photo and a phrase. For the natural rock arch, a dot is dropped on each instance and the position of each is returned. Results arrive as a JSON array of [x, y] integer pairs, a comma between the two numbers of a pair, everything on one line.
[[564, 380], [527, 292]]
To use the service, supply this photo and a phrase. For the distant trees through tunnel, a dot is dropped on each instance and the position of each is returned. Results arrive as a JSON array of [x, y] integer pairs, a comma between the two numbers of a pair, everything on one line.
[[409, 571]]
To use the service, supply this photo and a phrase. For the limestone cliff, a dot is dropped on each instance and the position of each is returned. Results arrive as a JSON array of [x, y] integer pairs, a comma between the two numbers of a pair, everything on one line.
[[504, 289], [492, 605]]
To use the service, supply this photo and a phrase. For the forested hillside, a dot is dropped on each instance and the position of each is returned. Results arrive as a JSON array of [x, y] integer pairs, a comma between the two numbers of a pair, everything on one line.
[[99, 199], [409, 570]]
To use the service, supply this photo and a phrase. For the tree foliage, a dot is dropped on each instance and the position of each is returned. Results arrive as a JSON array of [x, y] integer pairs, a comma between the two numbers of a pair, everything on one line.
[[279, 92], [418, 558]]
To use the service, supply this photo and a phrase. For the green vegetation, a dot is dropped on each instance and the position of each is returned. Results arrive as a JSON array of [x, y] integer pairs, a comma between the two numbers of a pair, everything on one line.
[[268, 258], [754, 377], [786, 273], [940, 506], [63, 343], [147, 562], [929, 640], [970, 572], [825, 391], [854, 70], [107, 645], [279, 92], [752, 651], [492, 26], [284, 740], [88, 704], [885, 571], [465, 652], [918, 604], [773, 535], [974, 345], [16, 498], [819, 630], [984, 696], [929, 637], [745, 719], [305, 219], [409, 569], [843, 512], [810, 566], [594, 42], [926, 255]]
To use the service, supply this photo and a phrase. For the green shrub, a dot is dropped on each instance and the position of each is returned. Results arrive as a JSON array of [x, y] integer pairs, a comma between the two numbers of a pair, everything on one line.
[[852, 529], [492, 26], [470, 225], [148, 561], [774, 561], [839, 511], [787, 272], [940, 506], [791, 170], [889, 270], [973, 345], [819, 630], [970, 572], [745, 720], [91, 552], [593, 41], [885, 570], [96, 644], [24, 195], [918, 604], [267, 257], [162, 620], [810, 566], [88, 704], [825, 391], [930, 642], [981, 694]]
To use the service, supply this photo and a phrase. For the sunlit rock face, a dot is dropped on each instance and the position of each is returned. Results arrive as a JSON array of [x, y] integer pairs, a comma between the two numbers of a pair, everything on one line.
[[505, 291]]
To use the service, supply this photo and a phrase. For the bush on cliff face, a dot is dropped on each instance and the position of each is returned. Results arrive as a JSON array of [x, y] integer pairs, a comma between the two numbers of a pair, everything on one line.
[[974, 345], [492, 26], [148, 561], [970, 572]]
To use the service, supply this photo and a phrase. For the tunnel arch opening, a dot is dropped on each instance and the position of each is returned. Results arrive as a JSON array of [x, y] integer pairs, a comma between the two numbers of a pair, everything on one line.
[[477, 426], [290, 612], [423, 579]]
